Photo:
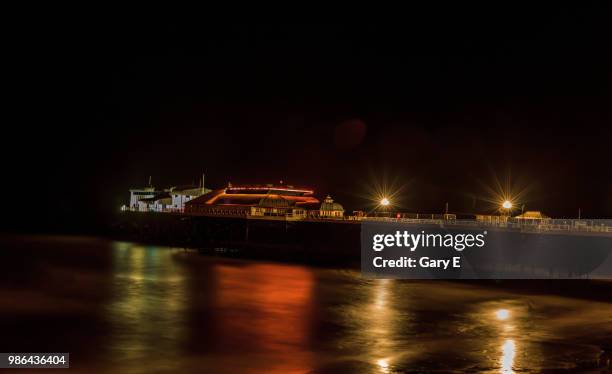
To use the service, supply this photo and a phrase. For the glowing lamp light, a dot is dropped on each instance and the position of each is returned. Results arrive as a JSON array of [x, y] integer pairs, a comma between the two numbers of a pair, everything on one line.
[[385, 201], [507, 205]]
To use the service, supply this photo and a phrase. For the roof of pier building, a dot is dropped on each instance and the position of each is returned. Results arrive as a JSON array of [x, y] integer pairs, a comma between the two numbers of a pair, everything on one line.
[[329, 205], [275, 201], [252, 195], [532, 214], [189, 190], [164, 199]]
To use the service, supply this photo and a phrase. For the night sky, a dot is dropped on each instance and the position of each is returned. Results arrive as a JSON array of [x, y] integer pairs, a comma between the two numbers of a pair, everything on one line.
[[443, 105]]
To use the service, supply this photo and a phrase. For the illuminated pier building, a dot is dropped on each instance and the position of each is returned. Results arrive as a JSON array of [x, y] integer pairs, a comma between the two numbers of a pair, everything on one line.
[[281, 201], [182, 194], [172, 199], [138, 196], [330, 209], [264, 201], [159, 203]]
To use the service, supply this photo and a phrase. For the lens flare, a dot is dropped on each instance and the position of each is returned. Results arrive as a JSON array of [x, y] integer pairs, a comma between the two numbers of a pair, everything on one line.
[[505, 196], [383, 190]]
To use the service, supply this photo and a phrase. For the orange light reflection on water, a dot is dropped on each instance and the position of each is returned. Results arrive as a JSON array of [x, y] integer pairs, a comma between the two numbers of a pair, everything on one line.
[[269, 305]]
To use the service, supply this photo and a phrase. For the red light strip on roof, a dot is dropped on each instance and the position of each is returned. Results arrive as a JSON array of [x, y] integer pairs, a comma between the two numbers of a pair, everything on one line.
[[305, 199], [270, 188]]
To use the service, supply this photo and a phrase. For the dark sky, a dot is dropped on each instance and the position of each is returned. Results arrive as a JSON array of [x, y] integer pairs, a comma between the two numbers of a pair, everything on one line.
[[441, 104]]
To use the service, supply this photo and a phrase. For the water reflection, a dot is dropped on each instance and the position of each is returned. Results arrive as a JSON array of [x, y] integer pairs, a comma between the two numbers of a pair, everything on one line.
[[508, 353], [508, 348], [261, 311], [380, 319], [502, 314], [265, 311], [373, 327], [383, 365], [506, 325], [157, 309], [146, 312]]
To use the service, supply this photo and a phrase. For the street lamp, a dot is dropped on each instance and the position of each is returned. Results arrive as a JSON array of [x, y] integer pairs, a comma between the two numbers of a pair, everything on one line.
[[385, 202]]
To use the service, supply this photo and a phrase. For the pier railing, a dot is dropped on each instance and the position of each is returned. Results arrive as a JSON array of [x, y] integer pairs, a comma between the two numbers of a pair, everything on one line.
[[534, 225], [568, 225]]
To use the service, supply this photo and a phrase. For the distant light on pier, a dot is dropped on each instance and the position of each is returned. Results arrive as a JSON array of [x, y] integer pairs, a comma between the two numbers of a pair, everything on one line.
[[385, 202]]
